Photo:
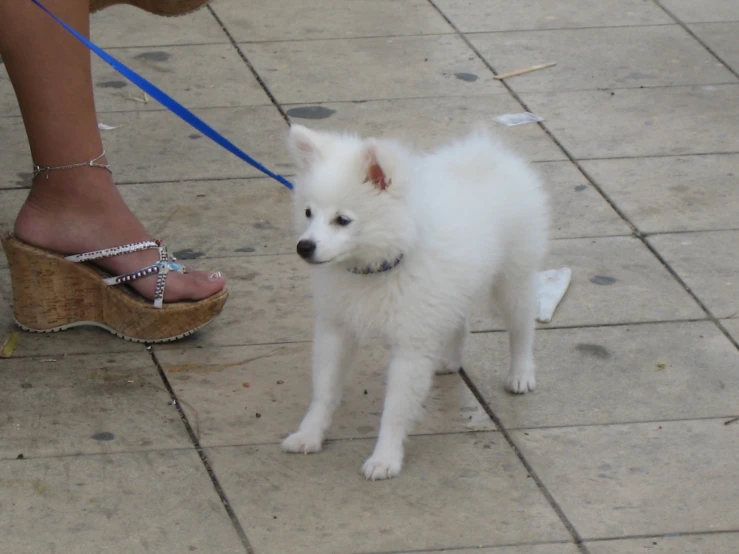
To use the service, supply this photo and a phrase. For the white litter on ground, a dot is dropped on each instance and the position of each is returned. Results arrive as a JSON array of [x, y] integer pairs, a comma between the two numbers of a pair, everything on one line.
[[511, 119], [553, 284]]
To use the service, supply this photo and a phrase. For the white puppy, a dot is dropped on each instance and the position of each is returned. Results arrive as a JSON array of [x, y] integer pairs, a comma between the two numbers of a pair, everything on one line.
[[400, 243]]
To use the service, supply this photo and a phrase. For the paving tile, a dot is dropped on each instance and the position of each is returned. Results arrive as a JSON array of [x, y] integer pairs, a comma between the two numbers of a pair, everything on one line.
[[295, 20], [89, 404], [640, 479], [212, 383], [551, 548], [723, 543], [692, 193], [721, 38], [642, 122], [441, 499], [202, 66], [8, 101], [10, 203], [202, 76], [617, 57], [428, 122], [709, 10], [137, 503], [603, 375], [400, 67], [707, 263], [124, 25], [497, 15], [732, 326], [158, 146], [577, 208], [269, 302], [205, 219], [614, 280], [16, 163]]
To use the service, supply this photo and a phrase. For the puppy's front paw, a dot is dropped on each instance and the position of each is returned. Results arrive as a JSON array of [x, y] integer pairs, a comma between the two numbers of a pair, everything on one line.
[[520, 383], [302, 441], [380, 467]]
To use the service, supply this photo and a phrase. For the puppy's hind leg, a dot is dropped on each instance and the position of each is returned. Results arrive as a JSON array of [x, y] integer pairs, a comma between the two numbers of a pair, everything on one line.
[[453, 354], [333, 353], [516, 296], [409, 381]]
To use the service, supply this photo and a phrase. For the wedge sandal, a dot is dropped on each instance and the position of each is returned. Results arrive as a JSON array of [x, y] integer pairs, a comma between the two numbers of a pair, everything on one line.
[[158, 7], [52, 292]]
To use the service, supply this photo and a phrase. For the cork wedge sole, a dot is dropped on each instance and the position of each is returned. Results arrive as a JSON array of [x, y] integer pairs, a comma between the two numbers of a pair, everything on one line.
[[53, 294], [168, 8]]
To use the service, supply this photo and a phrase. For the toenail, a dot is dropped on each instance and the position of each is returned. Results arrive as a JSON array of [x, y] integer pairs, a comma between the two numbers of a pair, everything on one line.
[[215, 276]]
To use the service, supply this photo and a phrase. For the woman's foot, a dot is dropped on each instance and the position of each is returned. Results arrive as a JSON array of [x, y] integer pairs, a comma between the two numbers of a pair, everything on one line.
[[80, 210]]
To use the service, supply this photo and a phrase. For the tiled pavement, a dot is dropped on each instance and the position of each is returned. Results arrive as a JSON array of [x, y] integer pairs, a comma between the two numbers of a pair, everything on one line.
[[622, 449]]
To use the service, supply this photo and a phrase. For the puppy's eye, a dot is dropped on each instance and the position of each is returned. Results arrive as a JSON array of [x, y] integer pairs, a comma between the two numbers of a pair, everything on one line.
[[308, 213], [343, 221]]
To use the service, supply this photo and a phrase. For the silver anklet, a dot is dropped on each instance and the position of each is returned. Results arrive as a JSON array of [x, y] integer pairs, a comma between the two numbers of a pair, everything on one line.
[[39, 169]]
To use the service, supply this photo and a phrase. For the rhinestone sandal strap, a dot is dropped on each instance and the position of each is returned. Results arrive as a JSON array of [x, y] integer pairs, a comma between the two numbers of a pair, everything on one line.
[[161, 268], [167, 264], [128, 277], [159, 289], [115, 251]]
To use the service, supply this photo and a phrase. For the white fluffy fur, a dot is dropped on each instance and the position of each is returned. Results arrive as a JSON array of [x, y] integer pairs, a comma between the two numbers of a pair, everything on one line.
[[469, 217]]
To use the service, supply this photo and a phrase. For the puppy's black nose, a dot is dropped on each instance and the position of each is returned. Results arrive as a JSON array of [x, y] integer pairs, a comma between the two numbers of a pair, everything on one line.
[[306, 248]]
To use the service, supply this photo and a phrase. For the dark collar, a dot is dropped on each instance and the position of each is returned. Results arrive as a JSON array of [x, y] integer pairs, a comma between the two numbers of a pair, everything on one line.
[[368, 269]]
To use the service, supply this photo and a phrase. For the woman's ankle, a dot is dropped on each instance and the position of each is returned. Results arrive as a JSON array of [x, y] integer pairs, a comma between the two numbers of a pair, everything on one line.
[[68, 213]]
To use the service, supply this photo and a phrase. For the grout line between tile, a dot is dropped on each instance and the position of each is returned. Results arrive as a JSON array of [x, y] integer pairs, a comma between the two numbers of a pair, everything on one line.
[[280, 105], [650, 156], [62, 355], [636, 232], [597, 325], [691, 231], [150, 46], [529, 468], [203, 456], [184, 347], [178, 181], [465, 548], [439, 34], [621, 423], [373, 438], [367, 438], [248, 64], [203, 180], [333, 39], [95, 454], [665, 535], [474, 332], [688, 30], [569, 28]]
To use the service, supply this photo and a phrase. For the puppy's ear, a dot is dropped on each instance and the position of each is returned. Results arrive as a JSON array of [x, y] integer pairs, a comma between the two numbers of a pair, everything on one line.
[[304, 146], [376, 174]]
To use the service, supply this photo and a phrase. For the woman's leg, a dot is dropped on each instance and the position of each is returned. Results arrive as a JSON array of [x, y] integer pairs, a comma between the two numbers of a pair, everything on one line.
[[73, 210]]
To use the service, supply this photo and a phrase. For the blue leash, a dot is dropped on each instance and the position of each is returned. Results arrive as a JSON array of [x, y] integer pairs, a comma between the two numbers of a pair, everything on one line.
[[168, 102]]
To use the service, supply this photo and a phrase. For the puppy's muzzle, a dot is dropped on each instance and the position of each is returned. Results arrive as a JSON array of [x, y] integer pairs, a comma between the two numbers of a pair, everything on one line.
[[306, 248]]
